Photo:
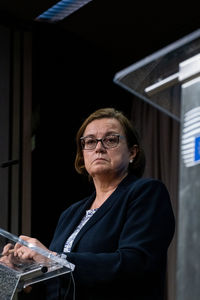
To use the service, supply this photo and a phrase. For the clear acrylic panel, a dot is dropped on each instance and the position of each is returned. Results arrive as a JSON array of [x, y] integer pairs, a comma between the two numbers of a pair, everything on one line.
[[160, 67], [16, 273]]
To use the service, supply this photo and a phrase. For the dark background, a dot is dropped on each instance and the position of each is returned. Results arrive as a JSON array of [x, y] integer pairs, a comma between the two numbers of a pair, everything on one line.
[[74, 63]]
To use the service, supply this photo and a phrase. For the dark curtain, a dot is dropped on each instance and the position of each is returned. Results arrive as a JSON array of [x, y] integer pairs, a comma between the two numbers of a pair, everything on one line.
[[160, 140], [4, 124]]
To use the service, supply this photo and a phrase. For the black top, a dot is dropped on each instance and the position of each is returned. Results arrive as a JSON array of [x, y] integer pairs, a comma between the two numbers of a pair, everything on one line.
[[120, 253]]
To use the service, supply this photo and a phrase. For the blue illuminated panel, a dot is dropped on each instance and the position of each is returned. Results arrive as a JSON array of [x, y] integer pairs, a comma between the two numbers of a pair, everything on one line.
[[197, 148]]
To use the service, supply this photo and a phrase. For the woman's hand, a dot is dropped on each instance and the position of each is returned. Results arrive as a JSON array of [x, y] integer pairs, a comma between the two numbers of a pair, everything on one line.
[[18, 252], [24, 252], [7, 255], [8, 249]]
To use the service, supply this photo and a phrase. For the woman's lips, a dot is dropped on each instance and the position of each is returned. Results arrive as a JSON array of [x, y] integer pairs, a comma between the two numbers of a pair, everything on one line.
[[100, 159]]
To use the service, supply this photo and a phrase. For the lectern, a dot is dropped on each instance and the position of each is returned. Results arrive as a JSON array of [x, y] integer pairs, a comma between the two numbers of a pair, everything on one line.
[[169, 79], [16, 274]]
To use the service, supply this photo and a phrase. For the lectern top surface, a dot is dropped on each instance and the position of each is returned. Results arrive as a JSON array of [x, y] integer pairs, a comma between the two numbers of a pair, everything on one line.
[[16, 272], [7, 237]]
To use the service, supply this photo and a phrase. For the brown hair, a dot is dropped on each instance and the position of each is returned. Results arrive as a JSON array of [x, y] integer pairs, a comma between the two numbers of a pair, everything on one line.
[[132, 138]]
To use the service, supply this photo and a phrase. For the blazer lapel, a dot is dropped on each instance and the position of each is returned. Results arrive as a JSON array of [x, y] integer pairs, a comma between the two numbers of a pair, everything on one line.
[[70, 226], [106, 206], [98, 215]]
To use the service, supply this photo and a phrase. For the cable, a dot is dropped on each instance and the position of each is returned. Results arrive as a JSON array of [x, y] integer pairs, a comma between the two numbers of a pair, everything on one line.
[[74, 286], [68, 289]]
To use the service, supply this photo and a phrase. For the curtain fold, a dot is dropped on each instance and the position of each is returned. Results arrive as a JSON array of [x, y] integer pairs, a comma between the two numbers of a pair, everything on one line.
[[160, 140]]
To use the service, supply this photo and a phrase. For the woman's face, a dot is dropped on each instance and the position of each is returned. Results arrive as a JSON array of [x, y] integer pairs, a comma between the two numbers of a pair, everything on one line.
[[102, 161]]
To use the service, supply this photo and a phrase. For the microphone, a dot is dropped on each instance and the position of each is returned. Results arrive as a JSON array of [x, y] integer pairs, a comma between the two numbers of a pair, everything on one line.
[[9, 163]]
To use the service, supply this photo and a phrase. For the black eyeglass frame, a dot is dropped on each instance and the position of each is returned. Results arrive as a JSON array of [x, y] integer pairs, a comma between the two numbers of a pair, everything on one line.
[[100, 140]]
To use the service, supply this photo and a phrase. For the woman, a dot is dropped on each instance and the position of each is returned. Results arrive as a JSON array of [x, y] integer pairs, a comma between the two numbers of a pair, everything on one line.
[[117, 237]]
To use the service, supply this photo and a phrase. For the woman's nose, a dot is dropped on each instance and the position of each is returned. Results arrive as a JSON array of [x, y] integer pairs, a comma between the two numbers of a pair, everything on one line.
[[100, 146]]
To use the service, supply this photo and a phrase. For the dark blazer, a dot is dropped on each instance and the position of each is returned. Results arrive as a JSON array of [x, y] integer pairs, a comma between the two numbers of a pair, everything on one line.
[[120, 254]]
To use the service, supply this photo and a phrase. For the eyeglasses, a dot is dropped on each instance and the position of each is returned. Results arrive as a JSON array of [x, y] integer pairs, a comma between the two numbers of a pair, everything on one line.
[[110, 141]]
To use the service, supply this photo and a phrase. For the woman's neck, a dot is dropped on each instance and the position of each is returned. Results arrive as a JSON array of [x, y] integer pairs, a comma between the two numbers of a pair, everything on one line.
[[104, 188]]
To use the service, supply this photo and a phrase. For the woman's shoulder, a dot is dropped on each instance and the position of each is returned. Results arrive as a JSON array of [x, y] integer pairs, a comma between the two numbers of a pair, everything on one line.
[[145, 186], [149, 181], [144, 181]]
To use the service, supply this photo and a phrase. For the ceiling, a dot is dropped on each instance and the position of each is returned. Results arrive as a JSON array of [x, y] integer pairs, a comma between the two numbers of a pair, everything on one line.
[[128, 30]]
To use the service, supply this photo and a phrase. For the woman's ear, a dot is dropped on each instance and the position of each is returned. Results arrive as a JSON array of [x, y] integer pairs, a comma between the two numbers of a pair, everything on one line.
[[133, 152]]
